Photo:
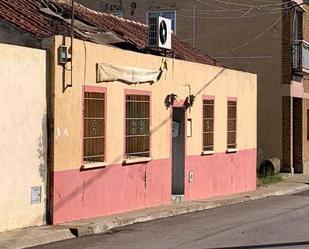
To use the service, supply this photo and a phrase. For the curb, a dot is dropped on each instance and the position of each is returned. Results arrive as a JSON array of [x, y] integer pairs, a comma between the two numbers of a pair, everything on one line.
[[176, 210], [35, 236]]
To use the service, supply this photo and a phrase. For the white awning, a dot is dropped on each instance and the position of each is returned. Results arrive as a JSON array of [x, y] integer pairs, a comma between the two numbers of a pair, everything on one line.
[[131, 75]]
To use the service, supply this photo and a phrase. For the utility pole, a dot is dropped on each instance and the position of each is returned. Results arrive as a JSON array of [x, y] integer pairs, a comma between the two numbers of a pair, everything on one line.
[[194, 25]]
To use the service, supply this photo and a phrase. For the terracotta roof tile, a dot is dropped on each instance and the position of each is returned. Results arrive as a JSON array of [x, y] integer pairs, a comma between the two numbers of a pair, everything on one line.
[[26, 15]]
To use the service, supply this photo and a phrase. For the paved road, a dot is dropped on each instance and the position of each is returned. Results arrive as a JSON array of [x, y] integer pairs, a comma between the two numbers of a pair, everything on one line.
[[278, 222]]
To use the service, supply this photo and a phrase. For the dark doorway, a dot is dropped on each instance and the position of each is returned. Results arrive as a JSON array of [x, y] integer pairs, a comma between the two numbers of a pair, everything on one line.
[[178, 156], [298, 135]]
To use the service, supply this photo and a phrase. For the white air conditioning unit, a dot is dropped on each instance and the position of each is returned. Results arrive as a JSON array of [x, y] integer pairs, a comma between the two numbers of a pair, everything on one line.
[[160, 32]]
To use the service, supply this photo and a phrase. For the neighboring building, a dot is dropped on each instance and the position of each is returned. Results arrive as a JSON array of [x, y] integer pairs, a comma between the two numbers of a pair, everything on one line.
[[254, 36], [117, 145], [23, 143]]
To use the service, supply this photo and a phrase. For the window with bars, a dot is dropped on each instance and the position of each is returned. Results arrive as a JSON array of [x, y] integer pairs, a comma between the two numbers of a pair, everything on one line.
[[94, 127], [208, 125], [137, 126], [231, 124]]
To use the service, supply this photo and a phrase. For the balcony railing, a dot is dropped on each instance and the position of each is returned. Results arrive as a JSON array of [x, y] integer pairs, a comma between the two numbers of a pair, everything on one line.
[[301, 57]]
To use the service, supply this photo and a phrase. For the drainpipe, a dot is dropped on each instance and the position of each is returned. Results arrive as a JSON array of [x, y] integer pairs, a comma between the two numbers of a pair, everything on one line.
[[72, 38]]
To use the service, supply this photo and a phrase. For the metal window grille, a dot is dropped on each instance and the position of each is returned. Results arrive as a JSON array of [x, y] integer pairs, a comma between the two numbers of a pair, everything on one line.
[[152, 22], [94, 127], [172, 16], [231, 124], [137, 126], [208, 125]]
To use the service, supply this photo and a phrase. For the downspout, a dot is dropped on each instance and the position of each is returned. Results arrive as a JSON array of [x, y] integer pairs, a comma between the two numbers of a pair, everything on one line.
[[294, 30], [72, 38]]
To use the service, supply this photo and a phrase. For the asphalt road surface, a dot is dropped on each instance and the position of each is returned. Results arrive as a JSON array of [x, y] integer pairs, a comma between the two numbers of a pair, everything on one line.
[[277, 222]]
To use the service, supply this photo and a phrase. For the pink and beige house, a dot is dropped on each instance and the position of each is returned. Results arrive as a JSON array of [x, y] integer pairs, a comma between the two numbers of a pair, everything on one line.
[[119, 147], [117, 143]]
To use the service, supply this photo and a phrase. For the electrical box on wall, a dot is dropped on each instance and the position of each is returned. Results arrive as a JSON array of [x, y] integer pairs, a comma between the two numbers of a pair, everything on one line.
[[35, 195], [63, 55], [189, 127]]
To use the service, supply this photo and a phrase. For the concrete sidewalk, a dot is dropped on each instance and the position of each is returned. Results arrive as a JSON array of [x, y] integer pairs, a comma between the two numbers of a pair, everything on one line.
[[46, 234]]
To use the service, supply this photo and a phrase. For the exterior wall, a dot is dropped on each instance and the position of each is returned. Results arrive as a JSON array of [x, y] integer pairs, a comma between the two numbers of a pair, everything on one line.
[[23, 140], [300, 90], [305, 136], [306, 23], [117, 188], [11, 35], [263, 56], [305, 99]]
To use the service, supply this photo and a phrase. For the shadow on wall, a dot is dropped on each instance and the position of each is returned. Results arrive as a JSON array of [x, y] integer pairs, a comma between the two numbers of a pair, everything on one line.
[[103, 171], [42, 150], [82, 188]]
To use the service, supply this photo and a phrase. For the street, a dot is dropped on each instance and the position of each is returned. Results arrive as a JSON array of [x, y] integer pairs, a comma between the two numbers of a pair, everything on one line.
[[277, 222]]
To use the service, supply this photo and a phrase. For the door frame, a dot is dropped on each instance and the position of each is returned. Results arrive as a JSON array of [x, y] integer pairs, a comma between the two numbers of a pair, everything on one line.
[[178, 104]]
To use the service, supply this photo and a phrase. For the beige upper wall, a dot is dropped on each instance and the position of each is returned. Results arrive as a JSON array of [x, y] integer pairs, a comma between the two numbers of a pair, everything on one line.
[[204, 80], [23, 138], [233, 42]]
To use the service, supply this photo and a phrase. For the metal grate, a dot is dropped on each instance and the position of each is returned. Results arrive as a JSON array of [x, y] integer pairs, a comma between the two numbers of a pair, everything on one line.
[[94, 127], [137, 126], [208, 125], [231, 124], [153, 32]]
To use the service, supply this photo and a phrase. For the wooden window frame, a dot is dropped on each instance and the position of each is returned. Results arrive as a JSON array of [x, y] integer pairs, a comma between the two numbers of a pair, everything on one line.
[[137, 156], [208, 101], [231, 102], [86, 164]]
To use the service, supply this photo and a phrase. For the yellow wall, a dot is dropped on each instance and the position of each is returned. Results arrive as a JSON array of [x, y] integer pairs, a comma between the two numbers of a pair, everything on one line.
[[204, 80], [23, 135]]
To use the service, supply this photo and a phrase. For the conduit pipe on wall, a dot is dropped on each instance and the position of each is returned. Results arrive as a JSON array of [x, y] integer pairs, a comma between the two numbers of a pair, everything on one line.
[[72, 38]]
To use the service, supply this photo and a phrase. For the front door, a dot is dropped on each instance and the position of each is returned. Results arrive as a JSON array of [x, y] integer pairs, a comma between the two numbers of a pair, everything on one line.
[[178, 156]]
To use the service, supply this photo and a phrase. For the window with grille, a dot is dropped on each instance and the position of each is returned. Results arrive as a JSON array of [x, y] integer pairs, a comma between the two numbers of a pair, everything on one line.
[[231, 124], [208, 125], [137, 126], [94, 127]]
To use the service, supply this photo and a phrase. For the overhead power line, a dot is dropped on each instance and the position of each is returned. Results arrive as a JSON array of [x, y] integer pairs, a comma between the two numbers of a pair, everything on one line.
[[253, 39], [221, 28]]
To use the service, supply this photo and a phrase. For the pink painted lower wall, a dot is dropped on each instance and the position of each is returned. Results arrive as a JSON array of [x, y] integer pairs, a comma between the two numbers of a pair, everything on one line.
[[220, 174], [115, 189]]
